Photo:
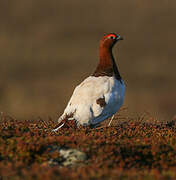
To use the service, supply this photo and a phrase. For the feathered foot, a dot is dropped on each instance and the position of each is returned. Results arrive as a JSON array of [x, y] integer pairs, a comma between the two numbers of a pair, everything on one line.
[[111, 121]]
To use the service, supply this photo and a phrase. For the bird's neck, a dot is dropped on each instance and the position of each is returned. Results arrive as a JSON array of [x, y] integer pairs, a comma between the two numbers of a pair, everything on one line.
[[107, 65]]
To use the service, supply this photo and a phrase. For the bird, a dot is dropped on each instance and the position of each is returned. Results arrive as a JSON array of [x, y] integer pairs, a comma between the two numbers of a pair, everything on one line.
[[101, 94]]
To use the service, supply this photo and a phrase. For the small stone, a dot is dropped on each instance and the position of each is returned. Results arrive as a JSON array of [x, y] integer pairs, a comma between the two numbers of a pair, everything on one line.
[[72, 156], [66, 157]]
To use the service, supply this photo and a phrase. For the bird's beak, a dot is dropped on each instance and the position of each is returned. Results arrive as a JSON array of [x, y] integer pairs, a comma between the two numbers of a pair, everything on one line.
[[120, 38]]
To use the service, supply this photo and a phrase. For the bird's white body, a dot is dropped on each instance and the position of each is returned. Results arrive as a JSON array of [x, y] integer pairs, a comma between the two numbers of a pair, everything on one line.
[[100, 95], [83, 105]]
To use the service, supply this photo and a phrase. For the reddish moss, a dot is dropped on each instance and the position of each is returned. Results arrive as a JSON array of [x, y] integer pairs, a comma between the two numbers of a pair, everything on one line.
[[129, 150]]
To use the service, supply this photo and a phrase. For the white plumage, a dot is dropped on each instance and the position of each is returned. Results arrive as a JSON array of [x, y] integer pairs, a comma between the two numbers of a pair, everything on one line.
[[83, 103], [100, 95]]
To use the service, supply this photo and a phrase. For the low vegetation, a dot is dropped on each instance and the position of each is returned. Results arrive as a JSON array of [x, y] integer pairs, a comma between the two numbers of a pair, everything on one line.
[[131, 149]]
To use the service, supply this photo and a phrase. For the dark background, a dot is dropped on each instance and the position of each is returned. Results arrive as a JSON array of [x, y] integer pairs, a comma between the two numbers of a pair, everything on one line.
[[48, 47]]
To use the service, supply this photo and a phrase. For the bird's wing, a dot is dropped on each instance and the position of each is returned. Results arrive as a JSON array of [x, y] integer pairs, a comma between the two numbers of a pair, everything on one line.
[[89, 98], [109, 101]]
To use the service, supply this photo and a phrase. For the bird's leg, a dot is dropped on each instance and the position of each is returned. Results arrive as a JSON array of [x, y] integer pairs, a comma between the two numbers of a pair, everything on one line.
[[96, 126], [111, 121]]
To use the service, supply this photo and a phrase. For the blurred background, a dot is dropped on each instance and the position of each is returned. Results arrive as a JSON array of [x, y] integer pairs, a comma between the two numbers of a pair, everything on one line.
[[48, 47]]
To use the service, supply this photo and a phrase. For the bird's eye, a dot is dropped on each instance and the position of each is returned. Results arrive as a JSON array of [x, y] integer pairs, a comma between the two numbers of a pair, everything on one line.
[[112, 37]]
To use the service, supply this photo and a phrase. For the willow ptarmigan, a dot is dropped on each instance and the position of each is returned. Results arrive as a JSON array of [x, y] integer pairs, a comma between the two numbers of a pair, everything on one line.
[[101, 94]]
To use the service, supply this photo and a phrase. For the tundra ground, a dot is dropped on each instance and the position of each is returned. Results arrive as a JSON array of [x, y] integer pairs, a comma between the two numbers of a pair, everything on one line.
[[131, 149]]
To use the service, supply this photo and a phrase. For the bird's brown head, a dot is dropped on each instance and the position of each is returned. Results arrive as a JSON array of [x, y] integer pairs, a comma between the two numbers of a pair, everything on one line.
[[109, 40]]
